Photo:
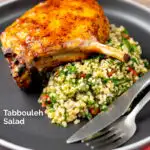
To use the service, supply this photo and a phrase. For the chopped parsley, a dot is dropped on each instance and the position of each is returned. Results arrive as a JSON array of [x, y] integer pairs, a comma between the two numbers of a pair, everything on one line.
[[88, 76], [134, 60], [71, 69], [119, 81], [90, 103], [115, 80], [108, 41], [62, 72], [146, 64], [127, 43], [104, 108], [53, 99], [101, 56], [88, 116], [105, 80], [125, 31], [132, 48]]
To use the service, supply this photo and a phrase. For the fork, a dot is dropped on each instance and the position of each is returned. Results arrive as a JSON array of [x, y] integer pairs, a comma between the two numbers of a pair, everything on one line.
[[119, 132]]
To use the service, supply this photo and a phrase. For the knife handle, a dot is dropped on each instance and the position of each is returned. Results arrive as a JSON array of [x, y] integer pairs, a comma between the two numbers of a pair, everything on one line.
[[139, 106]]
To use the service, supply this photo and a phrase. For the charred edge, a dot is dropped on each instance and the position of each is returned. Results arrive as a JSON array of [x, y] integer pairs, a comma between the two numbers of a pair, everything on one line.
[[36, 80], [36, 59], [22, 69], [16, 62], [8, 55]]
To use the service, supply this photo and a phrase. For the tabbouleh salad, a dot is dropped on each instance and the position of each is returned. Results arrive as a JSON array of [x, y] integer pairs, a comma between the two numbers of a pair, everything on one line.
[[84, 89]]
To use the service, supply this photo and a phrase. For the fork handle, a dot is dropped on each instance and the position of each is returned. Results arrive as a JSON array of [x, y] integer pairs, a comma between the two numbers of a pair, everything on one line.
[[139, 106]]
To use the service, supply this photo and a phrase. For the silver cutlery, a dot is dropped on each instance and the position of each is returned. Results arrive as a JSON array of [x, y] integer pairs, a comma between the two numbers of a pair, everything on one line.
[[119, 132], [116, 110]]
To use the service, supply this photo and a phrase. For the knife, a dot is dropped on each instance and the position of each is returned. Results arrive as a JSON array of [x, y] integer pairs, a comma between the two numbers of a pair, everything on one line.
[[116, 110]]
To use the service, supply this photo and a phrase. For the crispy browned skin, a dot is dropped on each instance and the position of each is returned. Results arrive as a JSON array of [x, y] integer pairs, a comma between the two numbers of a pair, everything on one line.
[[37, 38]]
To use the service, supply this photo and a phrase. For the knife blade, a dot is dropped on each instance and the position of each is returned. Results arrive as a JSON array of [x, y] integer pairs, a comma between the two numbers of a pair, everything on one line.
[[116, 110]]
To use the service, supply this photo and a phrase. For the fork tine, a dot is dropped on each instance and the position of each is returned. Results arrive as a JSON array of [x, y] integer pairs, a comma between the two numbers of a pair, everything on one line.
[[100, 134], [104, 144], [115, 144], [106, 137]]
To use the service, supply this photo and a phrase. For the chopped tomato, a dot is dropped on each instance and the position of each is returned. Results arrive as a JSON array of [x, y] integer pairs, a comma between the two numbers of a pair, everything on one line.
[[94, 111], [132, 71], [45, 100], [82, 75], [43, 104], [48, 101], [44, 97], [111, 73], [125, 35]]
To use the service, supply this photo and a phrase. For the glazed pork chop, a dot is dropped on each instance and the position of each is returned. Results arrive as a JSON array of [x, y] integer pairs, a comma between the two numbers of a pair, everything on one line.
[[53, 33]]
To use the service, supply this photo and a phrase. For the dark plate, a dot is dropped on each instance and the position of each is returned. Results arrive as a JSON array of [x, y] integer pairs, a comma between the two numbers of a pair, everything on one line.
[[38, 133]]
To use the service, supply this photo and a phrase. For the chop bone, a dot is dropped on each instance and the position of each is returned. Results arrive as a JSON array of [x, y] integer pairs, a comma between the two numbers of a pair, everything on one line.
[[92, 46]]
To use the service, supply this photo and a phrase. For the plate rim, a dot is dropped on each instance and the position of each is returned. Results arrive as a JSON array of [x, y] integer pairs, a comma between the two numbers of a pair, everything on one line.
[[142, 142]]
